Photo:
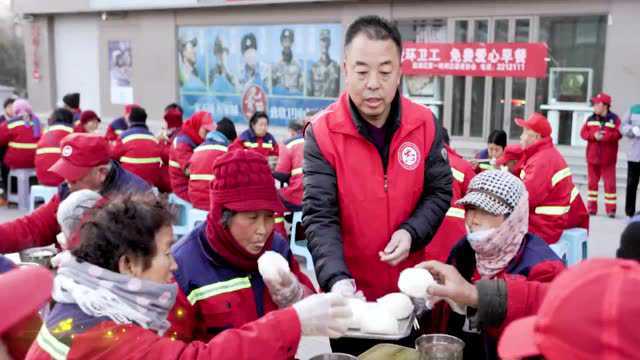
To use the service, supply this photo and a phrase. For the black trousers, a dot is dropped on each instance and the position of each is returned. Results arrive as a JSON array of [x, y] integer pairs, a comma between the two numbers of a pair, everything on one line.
[[633, 176], [4, 171]]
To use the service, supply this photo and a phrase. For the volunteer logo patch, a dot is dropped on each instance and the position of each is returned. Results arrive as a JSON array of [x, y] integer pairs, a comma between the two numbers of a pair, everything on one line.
[[409, 156], [66, 151]]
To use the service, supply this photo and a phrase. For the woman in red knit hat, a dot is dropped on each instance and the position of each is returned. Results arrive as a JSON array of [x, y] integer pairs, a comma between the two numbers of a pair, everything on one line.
[[170, 129], [190, 136], [219, 283]]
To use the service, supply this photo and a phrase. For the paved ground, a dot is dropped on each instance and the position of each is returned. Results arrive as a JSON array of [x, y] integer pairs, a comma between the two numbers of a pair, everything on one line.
[[603, 242]]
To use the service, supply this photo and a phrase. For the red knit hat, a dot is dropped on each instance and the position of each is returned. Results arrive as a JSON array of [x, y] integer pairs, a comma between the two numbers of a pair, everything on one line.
[[243, 182]]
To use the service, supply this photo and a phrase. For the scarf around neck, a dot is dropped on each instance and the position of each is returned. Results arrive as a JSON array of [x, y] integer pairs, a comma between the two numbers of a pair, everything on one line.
[[122, 298], [495, 252], [224, 244]]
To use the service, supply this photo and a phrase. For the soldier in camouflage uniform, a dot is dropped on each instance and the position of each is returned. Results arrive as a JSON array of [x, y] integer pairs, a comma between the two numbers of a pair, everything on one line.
[[287, 74], [250, 72], [325, 74]]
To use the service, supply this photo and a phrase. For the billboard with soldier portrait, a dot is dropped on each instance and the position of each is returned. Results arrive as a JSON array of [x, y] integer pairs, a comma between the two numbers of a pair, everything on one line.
[[285, 70]]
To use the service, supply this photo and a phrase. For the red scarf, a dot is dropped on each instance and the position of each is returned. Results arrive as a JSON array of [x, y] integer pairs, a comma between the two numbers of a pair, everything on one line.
[[226, 246], [192, 126]]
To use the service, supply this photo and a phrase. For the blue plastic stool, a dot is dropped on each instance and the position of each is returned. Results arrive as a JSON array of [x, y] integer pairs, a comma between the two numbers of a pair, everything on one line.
[[299, 248], [19, 194], [577, 241], [561, 248], [40, 194], [181, 225], [196, 217]]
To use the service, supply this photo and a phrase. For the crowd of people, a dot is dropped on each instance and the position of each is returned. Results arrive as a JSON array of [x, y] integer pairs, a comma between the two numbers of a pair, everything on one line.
[[381, 190]]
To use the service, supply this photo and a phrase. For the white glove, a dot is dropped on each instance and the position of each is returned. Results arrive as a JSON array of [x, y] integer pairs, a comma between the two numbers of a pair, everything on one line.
[[285, 289], [323, 315], [636, 131], [347, 288]]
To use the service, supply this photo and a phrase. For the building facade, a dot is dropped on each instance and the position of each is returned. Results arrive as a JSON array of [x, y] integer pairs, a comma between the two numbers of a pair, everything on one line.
[[233, 57]]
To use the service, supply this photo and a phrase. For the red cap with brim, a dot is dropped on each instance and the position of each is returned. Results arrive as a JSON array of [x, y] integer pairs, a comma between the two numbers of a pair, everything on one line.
[[68, 171], [22, 292], [536, 122], [518, 340], [80, 152]]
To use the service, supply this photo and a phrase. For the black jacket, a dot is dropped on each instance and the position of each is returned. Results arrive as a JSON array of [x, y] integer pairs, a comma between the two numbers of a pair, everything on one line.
[[320, 203]]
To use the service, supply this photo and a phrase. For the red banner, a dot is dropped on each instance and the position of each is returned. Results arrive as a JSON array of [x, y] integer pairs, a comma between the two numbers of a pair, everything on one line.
[[475, 59]]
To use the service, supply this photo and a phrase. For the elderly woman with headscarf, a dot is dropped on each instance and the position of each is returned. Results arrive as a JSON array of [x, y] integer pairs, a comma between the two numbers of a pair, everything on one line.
[[497, 246], [220, 283], [112, 298], [21, 134], [191, 135]]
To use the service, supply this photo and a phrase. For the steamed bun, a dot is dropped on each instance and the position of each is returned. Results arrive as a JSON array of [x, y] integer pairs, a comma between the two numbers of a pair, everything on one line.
[[397, 304], [378, 320], [270, 264], [415, 282]]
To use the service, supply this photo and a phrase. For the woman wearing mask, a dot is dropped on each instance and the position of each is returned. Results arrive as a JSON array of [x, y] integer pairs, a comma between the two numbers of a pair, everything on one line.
[[113, 296], [190, 136], [220, 286], [257, 137], [497, 246]]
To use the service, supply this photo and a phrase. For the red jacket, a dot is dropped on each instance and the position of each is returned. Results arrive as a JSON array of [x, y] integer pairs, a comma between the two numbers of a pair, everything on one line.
[[604, 151], [578, 216], [201, 172], [179, 156], [549, 182], [266, 145], [139, 152], [290, 167], [21, 137], [48, 153], [274, 336], [214, 295], [374, 203], [453, 227], [40, 227]]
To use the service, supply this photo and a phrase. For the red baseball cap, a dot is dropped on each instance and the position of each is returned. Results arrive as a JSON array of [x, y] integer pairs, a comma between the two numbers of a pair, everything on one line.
[[536, 122], [603, 98], [511, 152], [81, 152], [22, 292], [87, 116], [589, 312]]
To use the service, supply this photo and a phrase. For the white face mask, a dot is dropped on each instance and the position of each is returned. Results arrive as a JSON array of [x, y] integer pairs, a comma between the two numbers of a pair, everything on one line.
[[479, 235]]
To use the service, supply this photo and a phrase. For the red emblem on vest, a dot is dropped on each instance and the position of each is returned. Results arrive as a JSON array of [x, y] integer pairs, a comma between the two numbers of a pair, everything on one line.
[[409, 156]]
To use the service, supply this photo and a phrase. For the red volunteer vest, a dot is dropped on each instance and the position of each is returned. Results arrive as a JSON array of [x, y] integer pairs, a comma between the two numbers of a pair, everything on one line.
[[373, 204]]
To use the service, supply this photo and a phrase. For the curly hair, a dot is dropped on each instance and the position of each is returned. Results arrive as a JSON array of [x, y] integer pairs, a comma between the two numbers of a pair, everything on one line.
[[126, 225]]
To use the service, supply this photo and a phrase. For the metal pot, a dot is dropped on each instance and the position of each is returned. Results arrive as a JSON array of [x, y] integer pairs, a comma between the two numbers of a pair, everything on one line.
[[439, 347], [334, 356]]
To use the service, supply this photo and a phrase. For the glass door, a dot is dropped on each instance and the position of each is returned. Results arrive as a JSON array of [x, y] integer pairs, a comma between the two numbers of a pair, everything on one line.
[[479, 105]]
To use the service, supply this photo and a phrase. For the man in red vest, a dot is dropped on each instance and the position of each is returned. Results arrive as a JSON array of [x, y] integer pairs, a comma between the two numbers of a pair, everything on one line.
[[377, 183]]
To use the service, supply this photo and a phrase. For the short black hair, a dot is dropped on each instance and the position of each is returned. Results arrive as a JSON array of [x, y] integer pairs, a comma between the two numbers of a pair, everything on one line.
[[498, 137], [127, 225], [138, 115], [257, 115], [61, 115], [173, 106], [227, 128], [7, 102], [375, 28], [295, 125], [630, 242]]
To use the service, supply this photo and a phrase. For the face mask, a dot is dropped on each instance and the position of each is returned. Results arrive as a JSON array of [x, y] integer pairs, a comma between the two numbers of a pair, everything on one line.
[[479, 235]]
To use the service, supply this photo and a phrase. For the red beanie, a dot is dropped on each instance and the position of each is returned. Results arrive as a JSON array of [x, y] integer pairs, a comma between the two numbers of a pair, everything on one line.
[[243, 182], [173, 117]]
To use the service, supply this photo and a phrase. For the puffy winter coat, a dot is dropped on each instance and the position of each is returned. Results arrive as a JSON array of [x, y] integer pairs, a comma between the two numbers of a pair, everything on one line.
[[140, 153], [48, 153], [21, 138], [605, 150]]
